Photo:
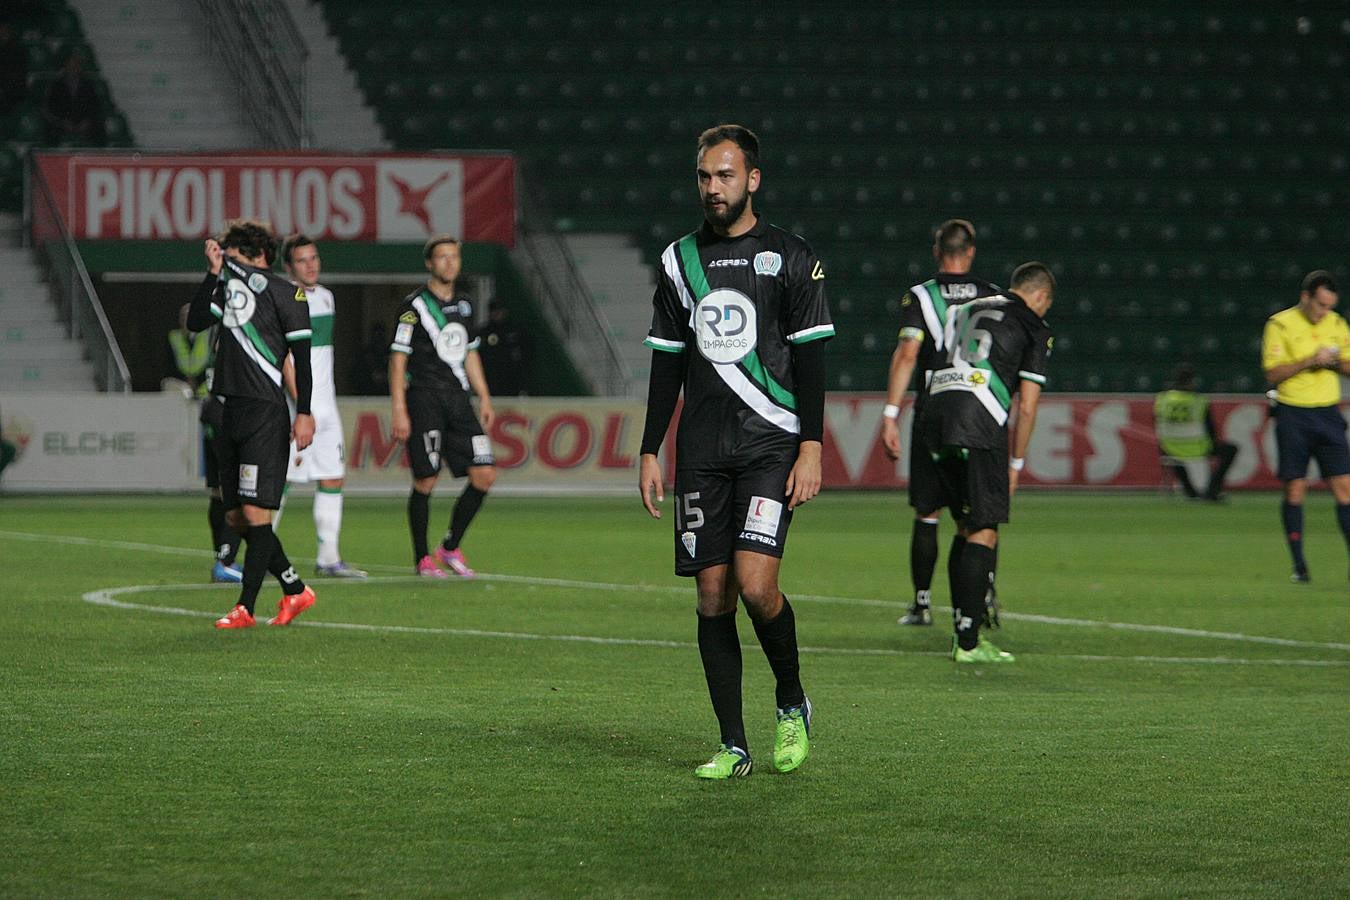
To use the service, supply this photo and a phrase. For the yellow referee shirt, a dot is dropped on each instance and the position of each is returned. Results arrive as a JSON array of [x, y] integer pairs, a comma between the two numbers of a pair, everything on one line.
[[1290, 337]]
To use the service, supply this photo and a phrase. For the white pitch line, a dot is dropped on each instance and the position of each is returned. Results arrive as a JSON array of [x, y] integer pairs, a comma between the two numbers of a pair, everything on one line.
[[108, 597], [539, 581]]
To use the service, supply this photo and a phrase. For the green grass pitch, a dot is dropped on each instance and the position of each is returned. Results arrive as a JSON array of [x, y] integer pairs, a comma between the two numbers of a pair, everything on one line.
[[1177, 723]]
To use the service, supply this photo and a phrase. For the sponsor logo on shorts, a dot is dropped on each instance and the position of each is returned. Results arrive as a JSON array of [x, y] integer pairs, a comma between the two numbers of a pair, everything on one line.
[[248, 479], [690, 540], [482, 448], [768, 263], [758, 538], [763, 517]]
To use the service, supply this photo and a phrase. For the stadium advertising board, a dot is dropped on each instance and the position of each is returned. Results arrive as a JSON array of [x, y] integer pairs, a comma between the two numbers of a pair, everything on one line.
[[100, 442], [397, 197], [97, 442]]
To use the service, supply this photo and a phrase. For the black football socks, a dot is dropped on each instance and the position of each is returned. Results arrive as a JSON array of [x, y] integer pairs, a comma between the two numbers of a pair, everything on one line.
[[1292, 515], [262, 543], [720, 648], [419, 513], [970, 581], [778, 638], [923, 554], [466, 507]]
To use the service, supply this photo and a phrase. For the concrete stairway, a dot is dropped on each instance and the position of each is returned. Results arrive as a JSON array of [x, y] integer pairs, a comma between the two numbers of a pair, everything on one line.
[[175, 94], [339, 118], [621, 282], [35, 352]]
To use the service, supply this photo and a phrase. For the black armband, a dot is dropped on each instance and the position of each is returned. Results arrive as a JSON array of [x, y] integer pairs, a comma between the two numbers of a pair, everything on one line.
[[663, 392], [808, 367], [304, 376]]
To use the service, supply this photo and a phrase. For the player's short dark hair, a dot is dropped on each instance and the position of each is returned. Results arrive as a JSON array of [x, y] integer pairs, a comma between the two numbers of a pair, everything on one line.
[[435, 241], [1034, 276], [1318, 279], [250, 237], [292, 243], [739, 135], [954, 236]]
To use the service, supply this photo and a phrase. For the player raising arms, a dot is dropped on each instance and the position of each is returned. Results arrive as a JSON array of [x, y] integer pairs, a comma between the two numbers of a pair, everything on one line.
[[739, 324], [993, 348], [262, 317], [433, 364]]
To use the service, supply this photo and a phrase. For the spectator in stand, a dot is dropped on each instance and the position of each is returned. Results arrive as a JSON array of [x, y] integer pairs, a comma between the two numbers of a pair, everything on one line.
[[73, 110], [504, 351]]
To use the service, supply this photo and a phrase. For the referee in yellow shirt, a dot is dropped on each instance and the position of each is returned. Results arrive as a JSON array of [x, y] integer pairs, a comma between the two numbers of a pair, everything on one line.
[[1304, 351]]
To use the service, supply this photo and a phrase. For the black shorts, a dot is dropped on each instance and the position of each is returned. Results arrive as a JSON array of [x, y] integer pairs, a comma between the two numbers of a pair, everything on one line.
[[445, 431], [975, 486], [252, 448], [721, 509], [925, 490], [1303, 434], [209, 461]]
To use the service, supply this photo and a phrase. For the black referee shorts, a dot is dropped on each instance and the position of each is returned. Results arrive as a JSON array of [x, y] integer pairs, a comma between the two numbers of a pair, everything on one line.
[[1307, 433], [252, 447]]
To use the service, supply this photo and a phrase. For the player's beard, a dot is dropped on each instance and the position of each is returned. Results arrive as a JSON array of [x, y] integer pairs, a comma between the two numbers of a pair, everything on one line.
[[733, 211]]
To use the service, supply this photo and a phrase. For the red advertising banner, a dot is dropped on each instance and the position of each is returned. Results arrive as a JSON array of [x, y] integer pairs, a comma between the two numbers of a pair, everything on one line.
[[1101, 441], [386, 198]]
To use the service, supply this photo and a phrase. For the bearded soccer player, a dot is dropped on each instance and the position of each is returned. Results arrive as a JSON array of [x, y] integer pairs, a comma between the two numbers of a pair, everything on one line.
[[923, 313], [262, 318], [323, 460], [433, 365], [994, 347], [739, 325]]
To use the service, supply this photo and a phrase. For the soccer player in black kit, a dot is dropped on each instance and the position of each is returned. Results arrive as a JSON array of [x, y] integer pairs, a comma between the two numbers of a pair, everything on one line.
[[262, 317], [919, 348], [433, 364], [993, 348], [739, 324]]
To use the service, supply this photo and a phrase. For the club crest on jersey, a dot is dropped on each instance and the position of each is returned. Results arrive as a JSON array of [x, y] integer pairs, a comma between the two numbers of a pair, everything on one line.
[[768, 263], [240, 303], [726, 328], [465, 310], [452, 344], [690, 540], [257, 282]]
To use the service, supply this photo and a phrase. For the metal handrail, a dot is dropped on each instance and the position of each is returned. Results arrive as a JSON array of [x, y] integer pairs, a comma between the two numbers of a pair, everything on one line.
[[267, 58], [80, 306], [554, 278]]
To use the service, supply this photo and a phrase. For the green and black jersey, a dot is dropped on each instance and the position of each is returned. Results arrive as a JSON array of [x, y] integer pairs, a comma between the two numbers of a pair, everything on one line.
[[260, 315], [735, 307], [437, 336], [990, 346], [923, 315]]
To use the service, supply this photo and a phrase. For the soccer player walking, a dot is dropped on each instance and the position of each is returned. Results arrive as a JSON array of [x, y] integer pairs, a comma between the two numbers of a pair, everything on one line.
[[739, 325], [920, 348], [262, 317], [1303, 351], [323, 460], [433, 364], [992, 348]]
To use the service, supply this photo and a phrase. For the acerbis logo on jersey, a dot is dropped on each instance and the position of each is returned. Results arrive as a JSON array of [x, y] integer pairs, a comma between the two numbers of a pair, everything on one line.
[[728, 263], [763, 516], [240, 302], [452, 344], [725, 326]]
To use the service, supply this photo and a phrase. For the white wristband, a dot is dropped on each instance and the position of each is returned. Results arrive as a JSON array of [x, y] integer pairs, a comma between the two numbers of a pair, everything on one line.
[[1017, 463], [890, 411]]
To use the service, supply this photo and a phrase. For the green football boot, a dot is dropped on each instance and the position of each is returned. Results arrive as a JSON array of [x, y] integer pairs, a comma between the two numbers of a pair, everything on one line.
[[727, 762], [792, 737], [984, 652]]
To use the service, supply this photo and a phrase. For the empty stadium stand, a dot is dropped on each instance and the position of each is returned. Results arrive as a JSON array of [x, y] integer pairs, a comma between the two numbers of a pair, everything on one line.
[[1180, 165]]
